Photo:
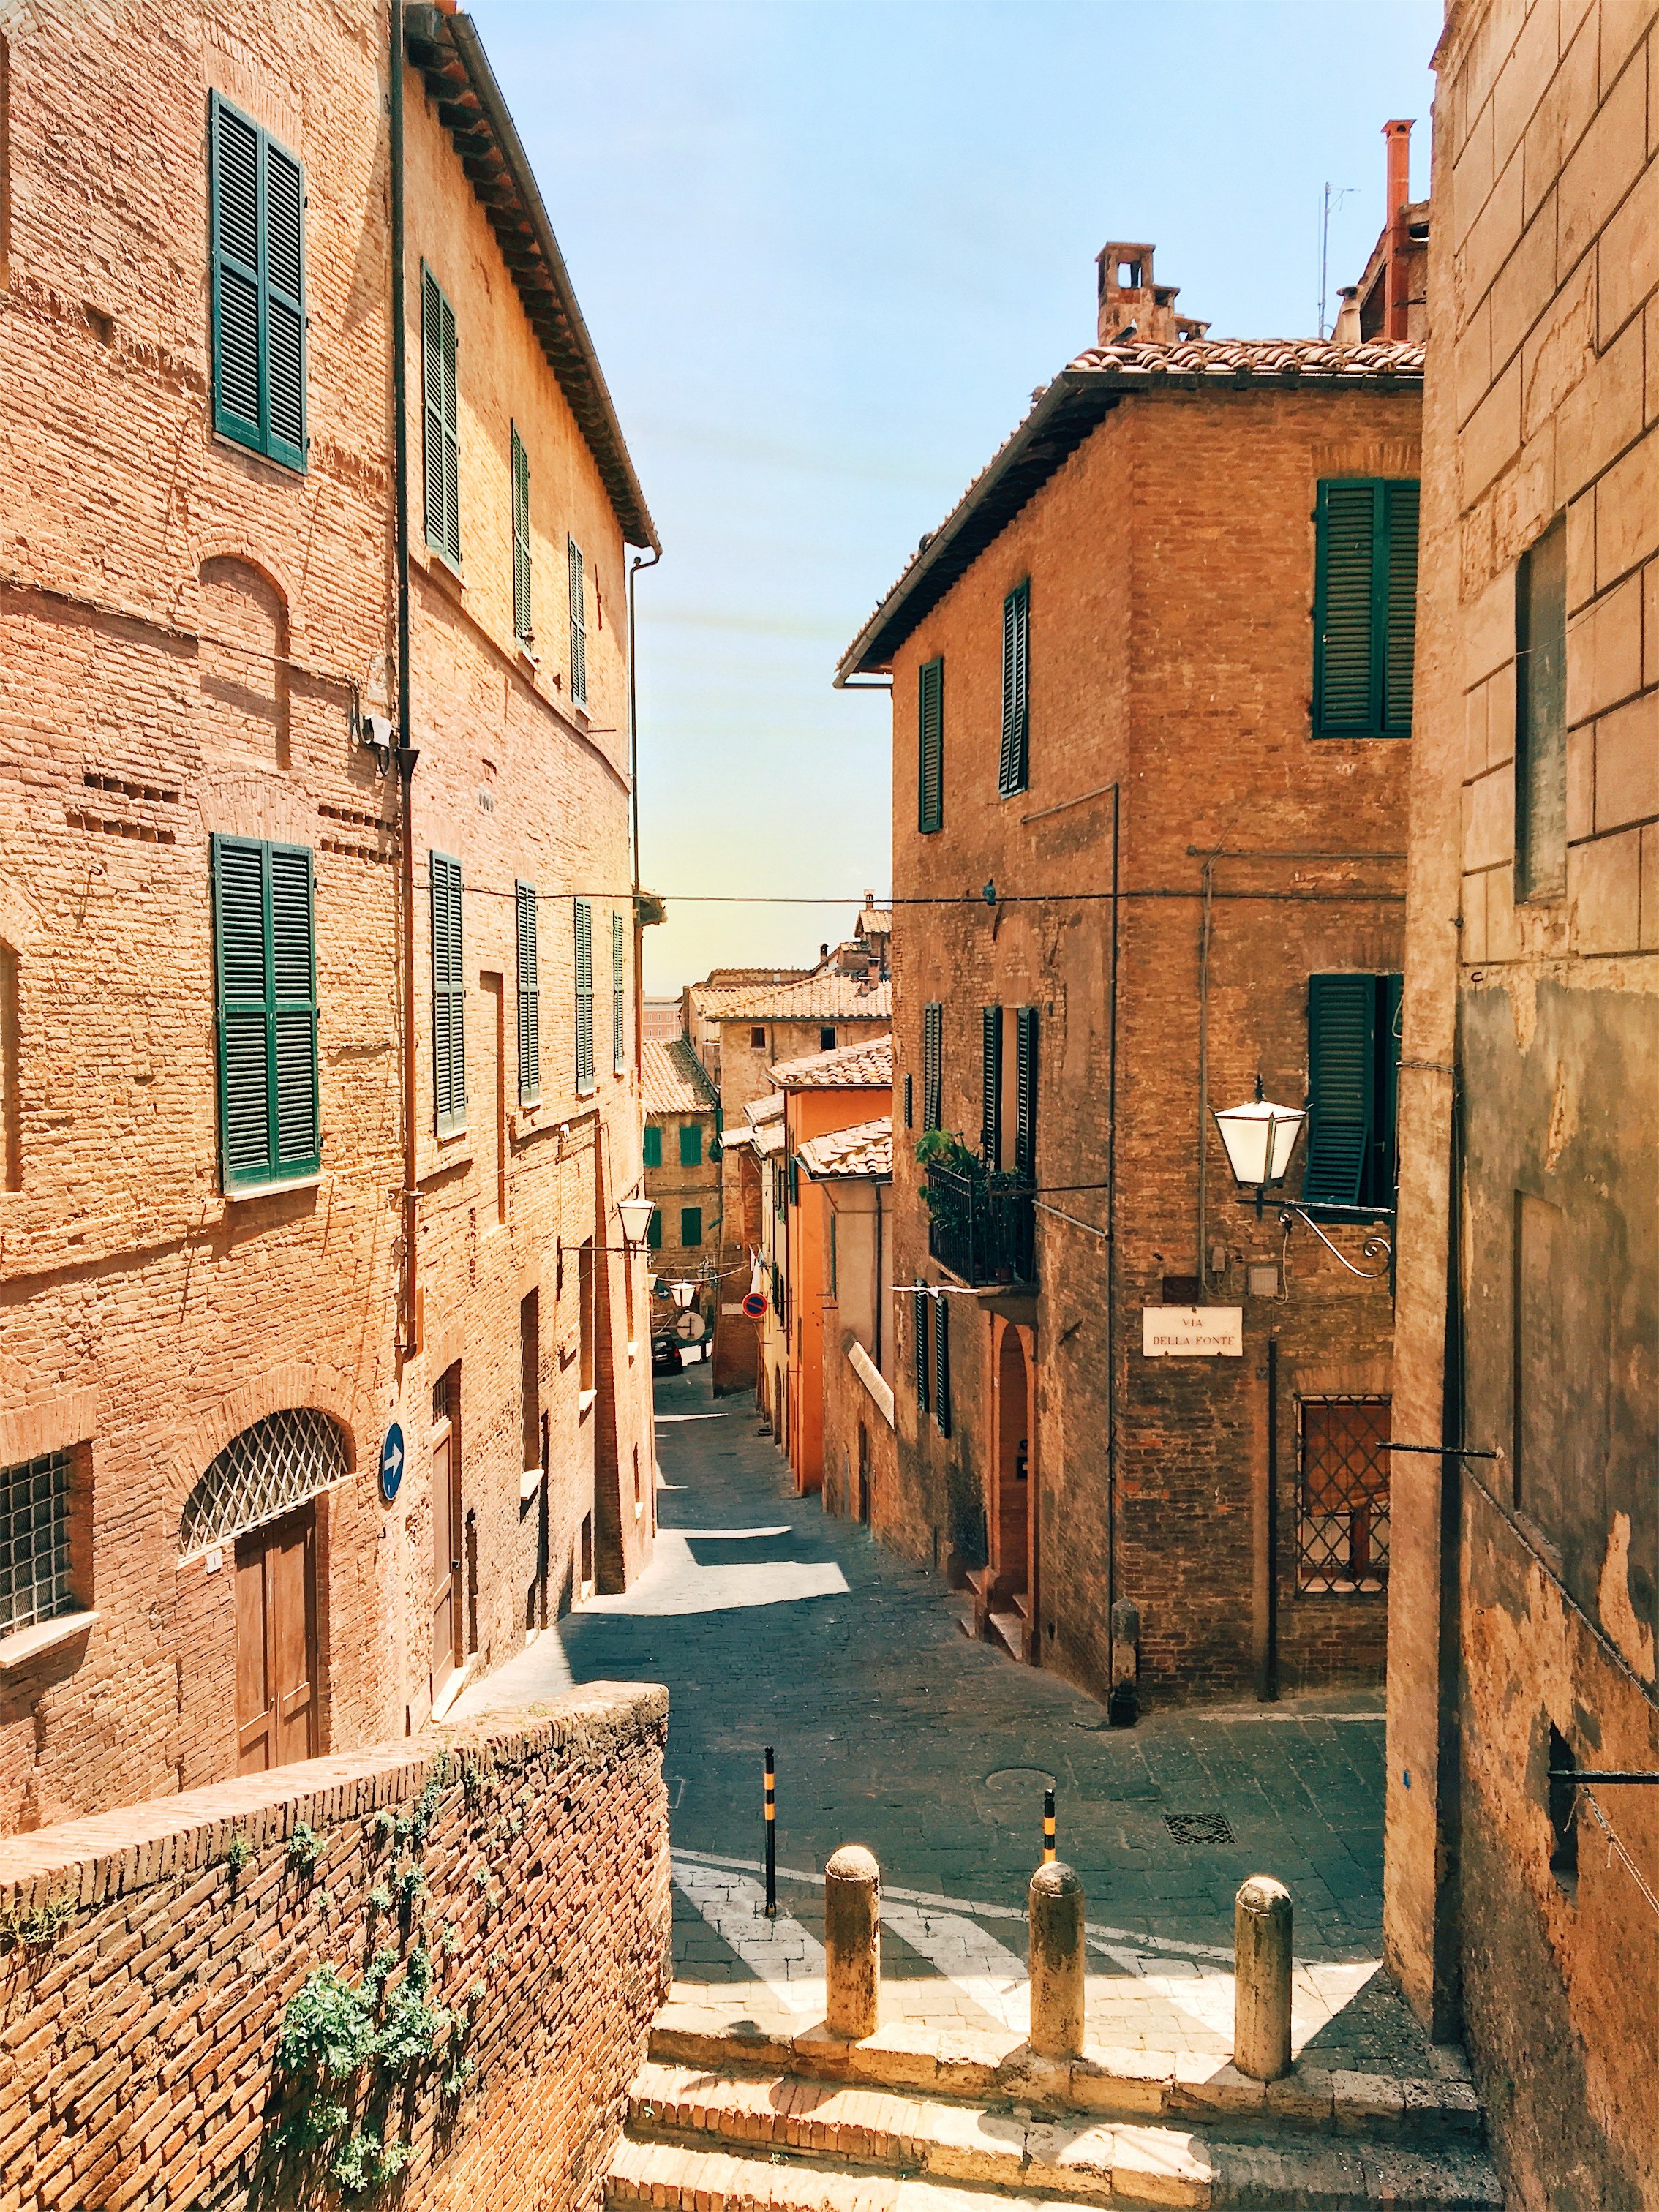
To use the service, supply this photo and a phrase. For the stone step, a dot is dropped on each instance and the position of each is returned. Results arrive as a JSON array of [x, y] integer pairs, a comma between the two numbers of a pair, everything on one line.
[[768, 2124], [1010, 1629], [909, 2058]]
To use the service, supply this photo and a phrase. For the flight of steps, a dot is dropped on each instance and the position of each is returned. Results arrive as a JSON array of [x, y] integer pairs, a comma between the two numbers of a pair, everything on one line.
[[909, 2123]]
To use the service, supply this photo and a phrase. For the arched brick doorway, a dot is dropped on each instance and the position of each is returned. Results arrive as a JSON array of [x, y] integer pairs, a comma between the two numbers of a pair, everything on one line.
[[1013, 1514]]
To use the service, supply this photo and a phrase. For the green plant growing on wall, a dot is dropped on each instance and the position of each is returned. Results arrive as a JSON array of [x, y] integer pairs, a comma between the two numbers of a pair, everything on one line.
[[237, 1852], [304, 1846], [37, 1930], [379, 1898], [383, 1827], [367, 2161], [328, 2030]]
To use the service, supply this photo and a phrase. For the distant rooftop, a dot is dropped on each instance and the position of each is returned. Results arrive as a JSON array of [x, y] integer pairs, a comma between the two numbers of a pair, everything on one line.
[[866, 1066], [671, 1079], [863, 1152]]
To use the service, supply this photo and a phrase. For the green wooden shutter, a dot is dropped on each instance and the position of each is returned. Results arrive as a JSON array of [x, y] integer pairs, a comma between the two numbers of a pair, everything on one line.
[[448, 996], [990, 1084], [1341, 1087], [521, 623], [1384, 1176], [442, 453], [584, 996], [618, 997], [941, 1305], [690, 1145], [795, 1179], [1013, 763], [529, 999], [930, 746], [690, 1227], [653, 1233], [264, 948], [578, 625], [257, 226], [1025, 1090], [1400, 508], [652, 1144], [921, 1347], [910, 1101], [932, 1063]]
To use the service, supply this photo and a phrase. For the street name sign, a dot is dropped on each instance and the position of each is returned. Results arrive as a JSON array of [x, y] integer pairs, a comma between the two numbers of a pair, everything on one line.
[[1192, 1331]]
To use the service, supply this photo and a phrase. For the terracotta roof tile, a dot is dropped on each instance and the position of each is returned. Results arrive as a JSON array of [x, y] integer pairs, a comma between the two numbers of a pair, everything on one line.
[[867, 1066], [827, 997], [865, 1150], [672, 1079]]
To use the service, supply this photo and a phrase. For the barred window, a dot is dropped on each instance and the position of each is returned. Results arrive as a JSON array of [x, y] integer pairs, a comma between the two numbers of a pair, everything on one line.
[[34, 1542], [1342, 1523], [260, 1475]]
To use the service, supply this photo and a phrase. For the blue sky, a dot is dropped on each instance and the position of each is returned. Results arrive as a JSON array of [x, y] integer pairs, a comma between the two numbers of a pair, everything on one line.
[[827, 248]]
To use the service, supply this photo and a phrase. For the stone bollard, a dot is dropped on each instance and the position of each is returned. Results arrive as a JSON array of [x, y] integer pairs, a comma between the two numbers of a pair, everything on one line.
[[1261, 1968], [1055, 1904], [852, 1943]]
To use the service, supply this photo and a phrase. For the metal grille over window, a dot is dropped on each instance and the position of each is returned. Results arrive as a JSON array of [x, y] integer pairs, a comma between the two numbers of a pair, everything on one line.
[[274, 1466], [34, 1541], [1342, 1527]]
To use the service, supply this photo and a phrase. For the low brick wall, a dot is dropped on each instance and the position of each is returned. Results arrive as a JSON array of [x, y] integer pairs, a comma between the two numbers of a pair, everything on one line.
[[512, 1875]]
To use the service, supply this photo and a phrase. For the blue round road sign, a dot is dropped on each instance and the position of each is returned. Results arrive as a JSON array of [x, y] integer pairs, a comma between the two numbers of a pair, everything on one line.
[[754, 1304], [392, 1462]]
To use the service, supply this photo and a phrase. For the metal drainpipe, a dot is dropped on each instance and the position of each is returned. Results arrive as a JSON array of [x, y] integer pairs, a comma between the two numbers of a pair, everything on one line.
[[407, 755], [1111, 1232], [1208, 881]]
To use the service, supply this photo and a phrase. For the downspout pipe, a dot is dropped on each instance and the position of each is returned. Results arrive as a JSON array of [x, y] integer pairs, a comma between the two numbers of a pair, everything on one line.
[[640, 561], [407, 755]]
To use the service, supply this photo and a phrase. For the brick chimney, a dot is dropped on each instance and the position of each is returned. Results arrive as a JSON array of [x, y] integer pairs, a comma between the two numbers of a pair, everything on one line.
[[1127, 298], [1396, 283]]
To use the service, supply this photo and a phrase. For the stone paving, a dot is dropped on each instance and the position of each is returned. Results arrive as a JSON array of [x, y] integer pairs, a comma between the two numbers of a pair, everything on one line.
[[771, 1623]]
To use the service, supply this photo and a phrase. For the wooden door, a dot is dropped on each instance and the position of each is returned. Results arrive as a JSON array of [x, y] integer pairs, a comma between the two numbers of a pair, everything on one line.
[[446, 1584], [277, 1643]]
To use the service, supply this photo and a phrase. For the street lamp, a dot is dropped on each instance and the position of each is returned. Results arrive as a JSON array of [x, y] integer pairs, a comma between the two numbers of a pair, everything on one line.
[[1260, 1139], [635, 1216], [684, 1295]]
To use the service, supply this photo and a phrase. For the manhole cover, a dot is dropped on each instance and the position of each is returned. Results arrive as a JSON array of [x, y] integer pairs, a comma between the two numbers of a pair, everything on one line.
[[1199, 1827]]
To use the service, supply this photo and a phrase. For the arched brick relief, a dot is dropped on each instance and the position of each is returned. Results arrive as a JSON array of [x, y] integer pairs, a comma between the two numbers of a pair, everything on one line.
[[298, 1383], [243, 620], [251, 805], [1351, 1378]]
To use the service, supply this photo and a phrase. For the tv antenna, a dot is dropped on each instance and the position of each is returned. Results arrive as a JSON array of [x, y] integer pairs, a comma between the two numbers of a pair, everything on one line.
[[1334, 197]]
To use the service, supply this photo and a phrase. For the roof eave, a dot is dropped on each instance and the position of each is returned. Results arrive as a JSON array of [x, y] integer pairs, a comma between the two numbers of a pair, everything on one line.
[[564, 335]]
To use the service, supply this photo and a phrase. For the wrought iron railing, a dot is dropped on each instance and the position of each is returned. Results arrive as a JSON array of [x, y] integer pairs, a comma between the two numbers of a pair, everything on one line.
[[983, 1226]]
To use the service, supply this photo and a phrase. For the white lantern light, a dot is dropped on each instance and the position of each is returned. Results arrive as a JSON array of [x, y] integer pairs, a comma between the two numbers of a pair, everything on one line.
[[684, 1294], [635, 1214], [1260, 1138]]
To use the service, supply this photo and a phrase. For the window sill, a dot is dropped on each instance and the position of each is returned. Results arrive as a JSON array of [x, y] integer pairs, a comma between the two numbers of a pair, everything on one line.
[[529, 1483], [450, 1694], [439, 565], [586, 1402], [1341, 1588], [26, 1644], [286, 469], [240, 1193], [634, 1349]]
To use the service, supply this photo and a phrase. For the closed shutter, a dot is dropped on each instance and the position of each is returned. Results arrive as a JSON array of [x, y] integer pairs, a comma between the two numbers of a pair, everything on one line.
[[1365, 607], [690, 1227], [930, 746], [264, 946], [922, 1347], [448, 997], [257, 224], [1013, 763], [529, 1000], [910, 1101], [1341, 1087], [521, 623], [618, 997], [578, 625], [795, 1179], [990, 1084], [690, 1145], [653, 1145], [584, 996], [1025, 1090], [941, 1305], [653, 1233], [932, 1063], [441, 451]]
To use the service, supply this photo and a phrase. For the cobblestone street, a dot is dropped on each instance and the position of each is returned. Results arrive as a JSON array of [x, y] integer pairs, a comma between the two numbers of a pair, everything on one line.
[[770, 1623]]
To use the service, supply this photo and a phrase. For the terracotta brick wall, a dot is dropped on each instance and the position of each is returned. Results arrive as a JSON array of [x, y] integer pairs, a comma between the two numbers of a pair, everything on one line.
[[146, 1977]]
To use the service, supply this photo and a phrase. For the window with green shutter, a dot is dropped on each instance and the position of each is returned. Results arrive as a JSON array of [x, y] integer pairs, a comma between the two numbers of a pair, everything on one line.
[[529, 1000], [930, 746], [448, 997], [1364, 606], [442, 446], [795, 1179], [1014, 762], [990, 1086], [921, 1347], [578, 625], [690, 1227], [932, 1063], [941, 1305], [264, 955], [1025, 1090], [521, 622], [690, 1145], [653, 1234], [257, 199], [618, 996], [1353, 1060], [585, 1078], [652, 1144]]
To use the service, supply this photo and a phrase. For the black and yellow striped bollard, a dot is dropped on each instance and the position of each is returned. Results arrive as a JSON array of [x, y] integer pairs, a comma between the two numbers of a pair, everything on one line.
[[1047, 1827], [771, 1837]]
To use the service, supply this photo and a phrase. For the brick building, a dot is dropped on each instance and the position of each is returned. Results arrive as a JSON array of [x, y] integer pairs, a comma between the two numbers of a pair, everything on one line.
[[1150, 689], [852, 1169], [1524, 1606], [311, 849], [682, 1169]]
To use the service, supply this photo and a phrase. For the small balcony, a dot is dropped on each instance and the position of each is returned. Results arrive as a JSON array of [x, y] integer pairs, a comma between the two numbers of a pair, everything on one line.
[[981, 1225]]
